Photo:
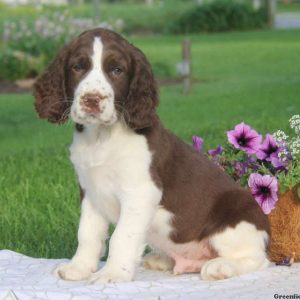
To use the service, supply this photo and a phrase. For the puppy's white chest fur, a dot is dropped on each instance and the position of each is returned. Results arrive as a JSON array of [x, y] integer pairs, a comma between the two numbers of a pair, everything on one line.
[[111, 161]]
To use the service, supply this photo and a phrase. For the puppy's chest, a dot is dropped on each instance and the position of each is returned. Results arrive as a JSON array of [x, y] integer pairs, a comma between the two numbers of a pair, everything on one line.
[[108, 165], [95, 165]]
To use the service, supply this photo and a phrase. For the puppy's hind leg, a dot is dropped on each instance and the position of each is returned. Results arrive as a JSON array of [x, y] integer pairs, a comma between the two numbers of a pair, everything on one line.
[[241, 249]]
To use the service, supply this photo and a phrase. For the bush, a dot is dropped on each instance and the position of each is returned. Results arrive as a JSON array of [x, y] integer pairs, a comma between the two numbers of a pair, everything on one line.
[[29, 45], [220, 15], [11, 67]]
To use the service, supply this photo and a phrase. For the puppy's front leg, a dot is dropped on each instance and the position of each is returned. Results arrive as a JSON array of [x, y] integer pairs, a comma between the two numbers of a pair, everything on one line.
[[92, 233], [128, 240]]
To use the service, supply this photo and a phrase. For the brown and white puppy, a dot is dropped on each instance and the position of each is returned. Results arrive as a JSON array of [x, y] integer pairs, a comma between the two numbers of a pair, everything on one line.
[[136, 174]]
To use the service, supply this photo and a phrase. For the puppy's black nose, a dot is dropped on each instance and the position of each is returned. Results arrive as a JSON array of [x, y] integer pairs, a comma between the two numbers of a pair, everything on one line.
[[91, 102]]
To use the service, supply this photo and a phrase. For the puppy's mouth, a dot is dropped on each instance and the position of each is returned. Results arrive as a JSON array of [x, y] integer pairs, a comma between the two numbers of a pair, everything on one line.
[[85, 118]]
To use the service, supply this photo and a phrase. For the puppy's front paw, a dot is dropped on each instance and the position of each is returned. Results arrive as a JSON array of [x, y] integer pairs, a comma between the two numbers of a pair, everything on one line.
[[108, 275], [218, 268], [73, 271]]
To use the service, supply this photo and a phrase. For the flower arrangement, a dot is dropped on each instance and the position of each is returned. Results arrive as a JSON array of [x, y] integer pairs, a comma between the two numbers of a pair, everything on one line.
[[270, 168]]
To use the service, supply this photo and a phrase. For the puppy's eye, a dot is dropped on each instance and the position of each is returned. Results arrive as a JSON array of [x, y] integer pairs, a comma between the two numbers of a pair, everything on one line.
[[78, 67], [116, 71]]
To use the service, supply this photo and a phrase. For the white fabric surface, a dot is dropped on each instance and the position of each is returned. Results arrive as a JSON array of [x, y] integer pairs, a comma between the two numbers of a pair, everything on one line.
[[25, 278]]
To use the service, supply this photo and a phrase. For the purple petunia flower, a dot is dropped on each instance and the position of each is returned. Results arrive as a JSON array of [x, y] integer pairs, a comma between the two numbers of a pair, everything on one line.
[[278, 164], [240, 168], [280, 159], [268, 149], [215, 152], [264, 189], [198, 143], [251, 163], [245, 138]]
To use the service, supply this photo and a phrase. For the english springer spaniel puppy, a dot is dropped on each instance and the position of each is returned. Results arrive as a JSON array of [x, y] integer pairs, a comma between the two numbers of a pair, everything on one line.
[[138, 175]]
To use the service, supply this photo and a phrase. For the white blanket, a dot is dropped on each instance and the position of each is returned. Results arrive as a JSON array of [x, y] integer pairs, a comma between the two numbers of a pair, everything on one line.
[[23, 278]]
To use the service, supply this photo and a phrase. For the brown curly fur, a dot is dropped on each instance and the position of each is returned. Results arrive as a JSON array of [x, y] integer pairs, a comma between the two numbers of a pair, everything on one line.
[[285, 227], [50, 91], [142, 99]]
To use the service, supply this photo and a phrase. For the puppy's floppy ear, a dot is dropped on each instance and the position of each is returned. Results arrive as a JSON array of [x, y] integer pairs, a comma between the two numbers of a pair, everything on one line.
[[50, 92], [142, 98]]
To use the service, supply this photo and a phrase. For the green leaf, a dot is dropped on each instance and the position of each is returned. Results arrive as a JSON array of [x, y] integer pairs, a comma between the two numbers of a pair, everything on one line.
[[298, 191]]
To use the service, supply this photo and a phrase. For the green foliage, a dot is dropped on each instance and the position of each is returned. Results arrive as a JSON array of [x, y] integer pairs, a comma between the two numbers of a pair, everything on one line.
[[18, 65], [220, 15], [136, 17], [161, 70], [243, 76], [291, 179], [11, 67], [29, 45], [41, 31]]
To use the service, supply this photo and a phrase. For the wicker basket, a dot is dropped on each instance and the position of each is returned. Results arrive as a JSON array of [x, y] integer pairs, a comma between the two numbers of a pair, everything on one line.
[[285, 227]]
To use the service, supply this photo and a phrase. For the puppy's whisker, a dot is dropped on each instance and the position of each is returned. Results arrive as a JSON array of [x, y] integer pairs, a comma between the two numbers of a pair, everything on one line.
[[64, 115], [124, 112], [53, 104]]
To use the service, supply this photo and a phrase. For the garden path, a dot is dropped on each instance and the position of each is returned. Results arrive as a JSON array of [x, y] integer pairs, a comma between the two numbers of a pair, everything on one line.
[[287, 20]]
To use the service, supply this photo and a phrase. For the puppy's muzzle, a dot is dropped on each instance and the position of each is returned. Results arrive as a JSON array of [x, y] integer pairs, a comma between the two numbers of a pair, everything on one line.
[[91, 102]]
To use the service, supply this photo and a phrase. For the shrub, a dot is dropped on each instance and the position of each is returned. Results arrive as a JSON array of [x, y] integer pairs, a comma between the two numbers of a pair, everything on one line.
[[220, 15], [30, 45], [11, 67], [44, 35]]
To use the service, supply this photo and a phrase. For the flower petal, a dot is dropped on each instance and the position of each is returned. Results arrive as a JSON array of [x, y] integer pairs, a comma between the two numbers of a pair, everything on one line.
[[198, 143], [268, 205], [215, 152], [264, 189], [245, 138], [232, 139], [267, 148]]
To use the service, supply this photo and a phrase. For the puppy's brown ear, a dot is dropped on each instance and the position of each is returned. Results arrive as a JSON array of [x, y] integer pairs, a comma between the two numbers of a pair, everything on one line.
[[49, 90], [142, 98]]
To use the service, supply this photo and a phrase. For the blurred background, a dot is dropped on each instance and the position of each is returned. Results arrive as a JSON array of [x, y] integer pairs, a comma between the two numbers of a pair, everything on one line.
[[33, 30], [217, 62]]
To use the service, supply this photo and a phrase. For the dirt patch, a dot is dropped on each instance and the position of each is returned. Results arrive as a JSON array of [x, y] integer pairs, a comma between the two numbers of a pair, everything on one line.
[[168, 81], [8, 87]]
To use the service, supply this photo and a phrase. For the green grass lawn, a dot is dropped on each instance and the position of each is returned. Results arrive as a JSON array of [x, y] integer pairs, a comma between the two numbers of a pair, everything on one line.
[[252, 77], [288, 7]]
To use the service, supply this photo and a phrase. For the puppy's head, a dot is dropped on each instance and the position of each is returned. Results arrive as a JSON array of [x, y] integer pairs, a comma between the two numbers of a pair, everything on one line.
[[98, 78]]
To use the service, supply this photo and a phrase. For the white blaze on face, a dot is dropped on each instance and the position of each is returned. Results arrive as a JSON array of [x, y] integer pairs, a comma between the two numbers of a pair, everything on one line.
[[95, 82]]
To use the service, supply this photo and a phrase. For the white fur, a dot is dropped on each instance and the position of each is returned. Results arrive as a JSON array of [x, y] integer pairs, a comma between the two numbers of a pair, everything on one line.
[[113, 166], [91, 237], [95, 82], [240, 249], [158, 237]]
